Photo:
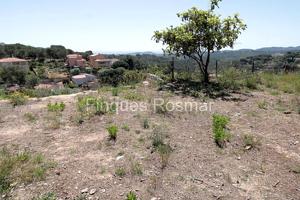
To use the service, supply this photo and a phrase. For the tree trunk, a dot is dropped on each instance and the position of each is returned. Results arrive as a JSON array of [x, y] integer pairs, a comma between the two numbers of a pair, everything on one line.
[[206, 77], [172, 69]]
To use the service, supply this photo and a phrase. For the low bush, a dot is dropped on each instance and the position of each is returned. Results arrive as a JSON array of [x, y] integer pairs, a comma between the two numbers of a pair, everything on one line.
[[120, 64], [221, 136], [252, 81], [75, 71], [115, 92], [262, 105], [131, 196], [3, 94], [30, 117], [133, 77], [54, 120], [39, 93], [47, 196], [164, 150], [56, 107], [112, 132], [13, 75], [287, 83], [88, 70], [146, 124], [33, 168], [235, 79], [133, 96], [250, 142], [111, 76], [89, 106], [120, 172], [31, 80], [125, 127], [136, 168], [17, 99], [230, 79]]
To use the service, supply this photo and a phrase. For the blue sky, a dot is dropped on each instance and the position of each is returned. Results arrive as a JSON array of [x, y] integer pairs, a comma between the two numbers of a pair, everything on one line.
[[128, 25]]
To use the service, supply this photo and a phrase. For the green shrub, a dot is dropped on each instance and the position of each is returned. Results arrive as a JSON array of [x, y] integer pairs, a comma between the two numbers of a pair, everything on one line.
[[157, 137], [88, 106], [56, 107], [30, 117], [219, 130], [121, 64], [136, 168], [230, 79], [131, 196], [250, 141], [112, 132], [47, 196], [111, 76], [125, 127], [31, 170], [133, 77], [115, 92], [88, 70], [54, 120], [13, 75], [133, 96], [41, 72], [75, 71], [120, 171], [164, 151], [262, 105], [146, 124], [31, 80], [17, 99], [3, 94], [39, 93], [252, 81], [288, 83]]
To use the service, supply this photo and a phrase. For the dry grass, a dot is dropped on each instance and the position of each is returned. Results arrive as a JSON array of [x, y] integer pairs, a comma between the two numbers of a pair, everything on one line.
[[22, 167]]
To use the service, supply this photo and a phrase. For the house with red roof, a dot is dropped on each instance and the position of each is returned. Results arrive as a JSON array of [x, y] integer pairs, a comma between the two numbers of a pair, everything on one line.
[[100, 61], [75, 60], [14, 62]]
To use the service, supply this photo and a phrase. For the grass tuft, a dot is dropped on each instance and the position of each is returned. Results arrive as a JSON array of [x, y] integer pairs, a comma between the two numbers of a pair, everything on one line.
[[221, 136]]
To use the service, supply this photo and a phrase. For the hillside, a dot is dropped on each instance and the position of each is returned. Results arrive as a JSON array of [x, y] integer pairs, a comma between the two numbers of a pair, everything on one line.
[[260, 160]]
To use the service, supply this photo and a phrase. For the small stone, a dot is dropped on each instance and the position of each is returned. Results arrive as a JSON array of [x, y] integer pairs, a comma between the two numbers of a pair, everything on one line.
[[122, 194], [146, 83], [287, 112], [79, 172], [248, 147], [57, 173], [92, 191], [297, 142], [85, 190], [119, 158], [154, 198], [103, 190], [239, 158]]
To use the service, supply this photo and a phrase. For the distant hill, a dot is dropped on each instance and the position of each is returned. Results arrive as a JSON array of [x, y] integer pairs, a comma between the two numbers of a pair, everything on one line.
[[235, 54], [243, 53]]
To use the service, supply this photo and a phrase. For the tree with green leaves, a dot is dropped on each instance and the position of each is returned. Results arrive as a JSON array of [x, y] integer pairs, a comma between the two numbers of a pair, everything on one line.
[[201, 33]]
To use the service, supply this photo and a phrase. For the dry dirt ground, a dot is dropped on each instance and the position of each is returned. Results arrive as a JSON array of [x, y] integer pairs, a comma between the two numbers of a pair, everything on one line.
[[197, 168]]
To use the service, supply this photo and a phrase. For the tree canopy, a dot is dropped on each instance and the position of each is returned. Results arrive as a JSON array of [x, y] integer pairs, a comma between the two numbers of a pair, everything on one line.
[[201, 33]]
